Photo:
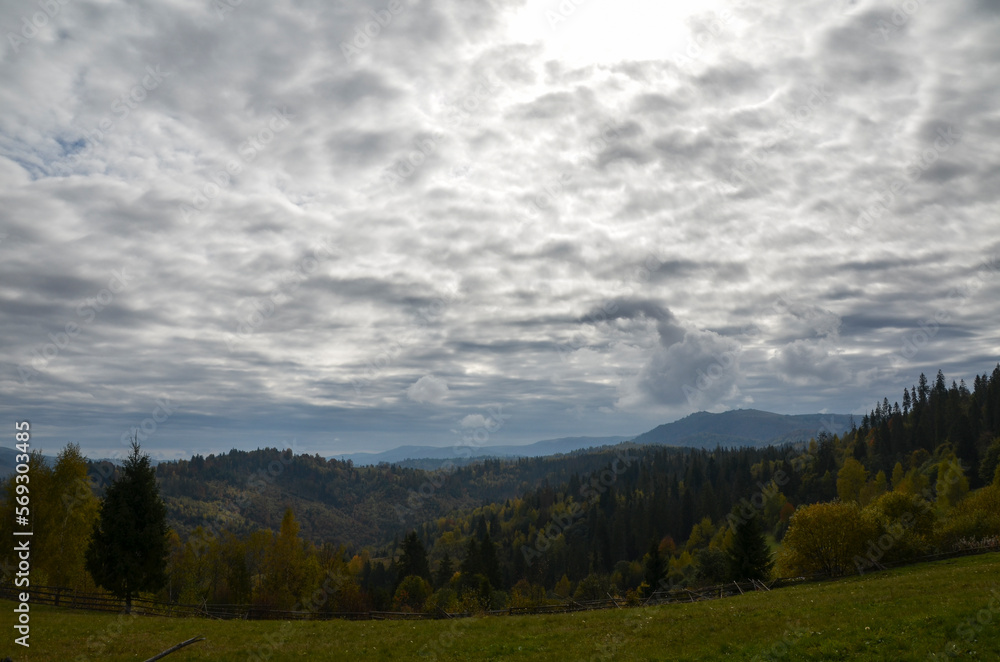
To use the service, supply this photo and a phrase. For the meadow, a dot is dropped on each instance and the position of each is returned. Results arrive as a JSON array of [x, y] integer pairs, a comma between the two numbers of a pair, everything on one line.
[[928, 611]]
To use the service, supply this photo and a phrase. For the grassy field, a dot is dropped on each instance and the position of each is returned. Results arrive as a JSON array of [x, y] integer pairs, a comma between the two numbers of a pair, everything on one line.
[[912, 613]]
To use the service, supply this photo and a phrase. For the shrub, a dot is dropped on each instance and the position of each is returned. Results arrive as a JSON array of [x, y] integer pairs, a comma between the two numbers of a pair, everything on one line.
[[825, 538], [976, 517]]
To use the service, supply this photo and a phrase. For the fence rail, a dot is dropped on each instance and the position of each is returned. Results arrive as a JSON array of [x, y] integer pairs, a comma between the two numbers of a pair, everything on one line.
[[66, 597]]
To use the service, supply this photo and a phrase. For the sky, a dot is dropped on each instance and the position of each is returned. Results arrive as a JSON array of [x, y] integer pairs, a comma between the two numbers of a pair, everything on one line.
[[349, 226]]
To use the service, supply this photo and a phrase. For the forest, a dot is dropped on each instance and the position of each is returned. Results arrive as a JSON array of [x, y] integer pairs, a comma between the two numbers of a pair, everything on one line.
[[911, 478]]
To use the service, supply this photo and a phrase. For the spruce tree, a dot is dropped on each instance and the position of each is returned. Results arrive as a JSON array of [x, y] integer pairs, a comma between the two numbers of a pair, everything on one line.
[[472, 563], [654, 567], [445, 571], [490, 563], [749, 554], [129, 544], [413, 560]]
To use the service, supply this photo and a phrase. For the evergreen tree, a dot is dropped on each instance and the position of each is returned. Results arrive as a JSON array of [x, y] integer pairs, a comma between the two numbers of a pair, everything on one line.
[[489, 562], [471, 564], [413, 560], [749, 554], [129, 544], [445, 571], [654, 567]]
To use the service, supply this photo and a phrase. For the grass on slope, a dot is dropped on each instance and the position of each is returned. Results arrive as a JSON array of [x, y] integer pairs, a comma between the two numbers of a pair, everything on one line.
[[911, 613]]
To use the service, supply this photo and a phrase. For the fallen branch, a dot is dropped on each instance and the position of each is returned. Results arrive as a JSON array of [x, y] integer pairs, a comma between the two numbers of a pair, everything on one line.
[[176, 648]]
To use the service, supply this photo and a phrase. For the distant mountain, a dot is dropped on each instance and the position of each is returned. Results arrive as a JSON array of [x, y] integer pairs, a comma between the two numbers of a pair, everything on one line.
[[458, 454], [744, 427], [739, 427], [7, 463], [8, 460]]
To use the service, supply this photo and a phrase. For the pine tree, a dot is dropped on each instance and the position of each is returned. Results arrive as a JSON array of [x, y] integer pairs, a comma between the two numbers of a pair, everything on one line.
[[490, 564], [471, 564], [654, 568], [749, 554], [445, 571], [129, 544], [413, 560]]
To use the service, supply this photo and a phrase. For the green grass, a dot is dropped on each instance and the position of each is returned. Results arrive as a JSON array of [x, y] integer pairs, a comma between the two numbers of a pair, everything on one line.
[[904, 614]]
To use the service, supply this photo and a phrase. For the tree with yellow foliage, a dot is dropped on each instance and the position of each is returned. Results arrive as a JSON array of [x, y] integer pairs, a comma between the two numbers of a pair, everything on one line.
[[825, 538], [952, 485], [850, 479]]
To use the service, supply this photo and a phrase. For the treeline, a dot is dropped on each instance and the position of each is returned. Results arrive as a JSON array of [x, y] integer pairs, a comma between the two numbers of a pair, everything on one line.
[[931, 416], [335, 501]]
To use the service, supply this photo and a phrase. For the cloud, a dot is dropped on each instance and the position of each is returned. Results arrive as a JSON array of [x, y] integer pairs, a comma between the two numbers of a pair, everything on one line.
[[474, 421], [428, 390], [489, 198], [807, 362], [698, 373]]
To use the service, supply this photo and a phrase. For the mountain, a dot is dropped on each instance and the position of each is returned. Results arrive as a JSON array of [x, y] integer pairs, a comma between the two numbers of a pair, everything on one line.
[[458, 455], [731, 429], [8, 461], [744, 427]]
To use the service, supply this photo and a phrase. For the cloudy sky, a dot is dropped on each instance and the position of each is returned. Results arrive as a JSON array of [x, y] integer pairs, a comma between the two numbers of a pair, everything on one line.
[[364, 224]]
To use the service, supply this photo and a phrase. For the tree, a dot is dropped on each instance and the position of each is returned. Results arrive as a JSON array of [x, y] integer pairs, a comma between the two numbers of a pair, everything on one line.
[[445, 571], [897, 476], [990, 462], [563, 587], [471, 564], [873, 489], [289, 572], [825, 538], [952, 485], [712, 565], [130, 540], [412, 593], [749, 554], [973, 521], [654, 566], [850, 479], [73, 510], [490, 563], [905, 528], [593, 587], [413, 560]]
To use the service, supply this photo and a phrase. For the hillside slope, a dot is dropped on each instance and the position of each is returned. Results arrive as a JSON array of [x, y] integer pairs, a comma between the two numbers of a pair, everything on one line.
[[883, 616]]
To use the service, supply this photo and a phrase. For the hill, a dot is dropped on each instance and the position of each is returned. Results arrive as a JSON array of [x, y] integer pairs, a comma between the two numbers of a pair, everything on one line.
[[402, 454], [744, 427], [338, 502], [8, 460]]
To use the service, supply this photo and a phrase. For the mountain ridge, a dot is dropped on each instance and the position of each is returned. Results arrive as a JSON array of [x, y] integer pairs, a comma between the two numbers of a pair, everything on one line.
[[729, 429]]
